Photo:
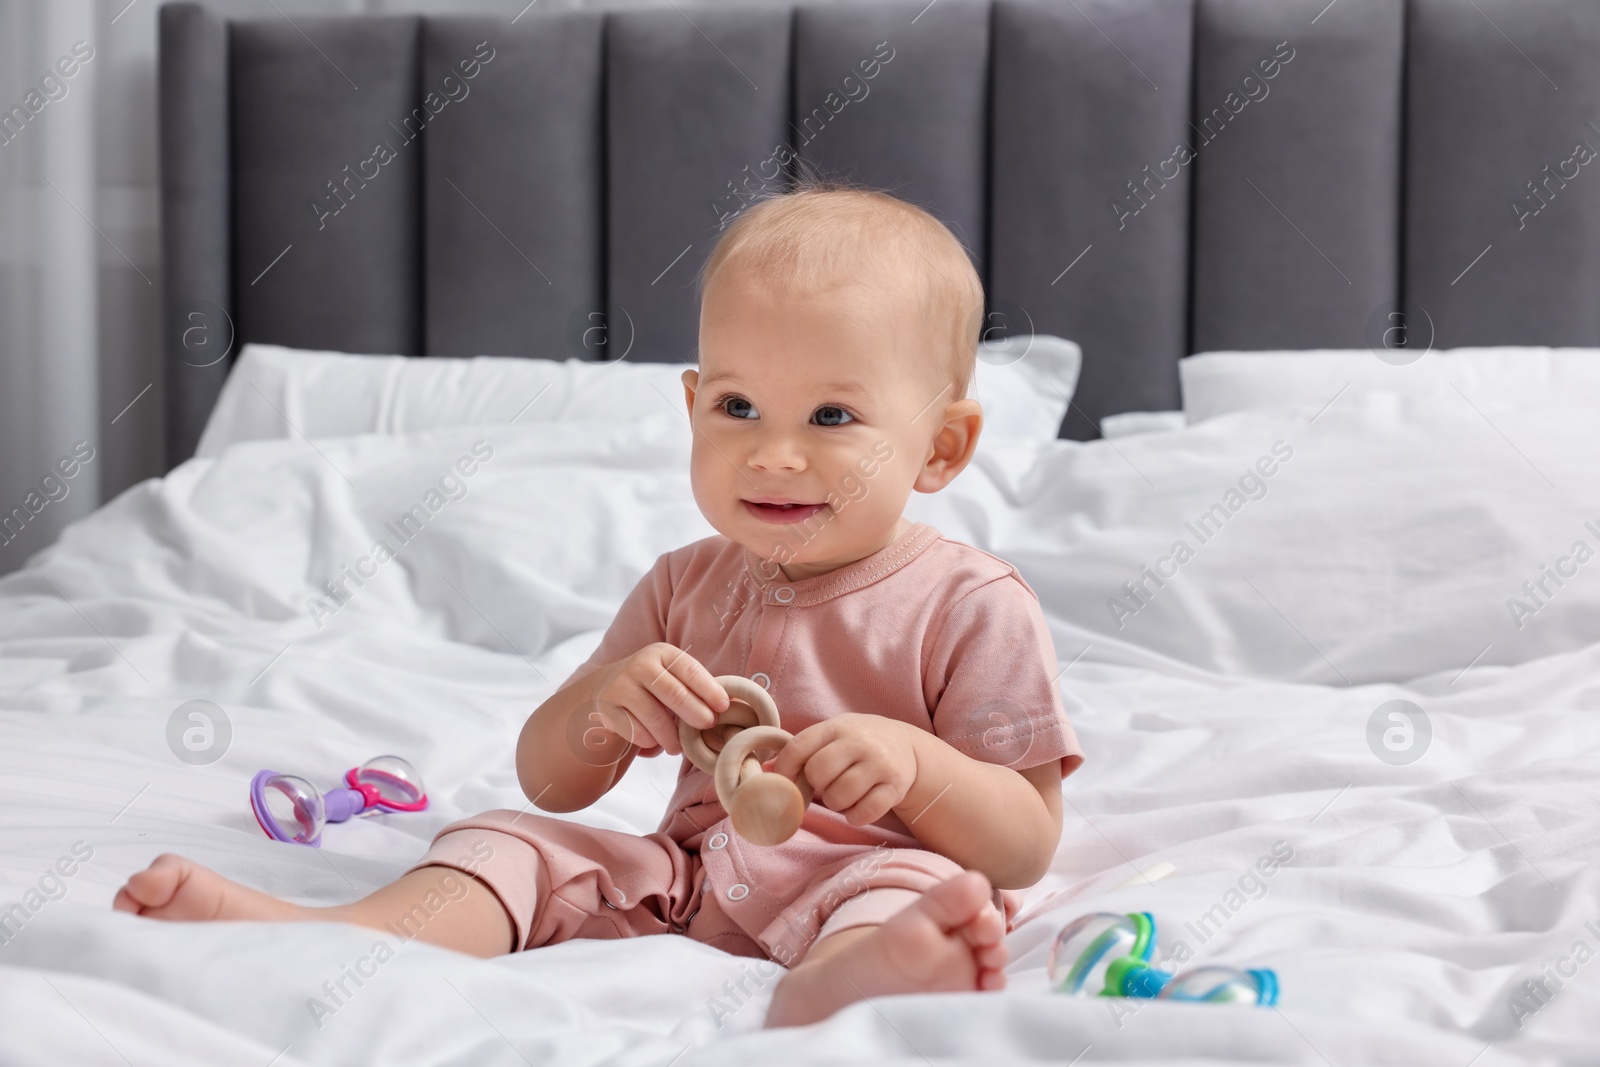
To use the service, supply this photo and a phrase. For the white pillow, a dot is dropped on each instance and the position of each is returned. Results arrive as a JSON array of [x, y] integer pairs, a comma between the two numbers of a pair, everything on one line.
[[1024, 384], [1216, 383], [1393, 538], [1132, 422], [274, 392]]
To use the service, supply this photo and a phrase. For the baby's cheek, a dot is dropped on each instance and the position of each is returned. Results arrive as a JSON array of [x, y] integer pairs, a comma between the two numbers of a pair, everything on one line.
[[703, 484], [886, 470], [716, 489]]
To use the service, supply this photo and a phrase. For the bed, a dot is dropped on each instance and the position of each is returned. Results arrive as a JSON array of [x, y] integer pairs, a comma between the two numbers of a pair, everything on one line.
[[1342, 734]]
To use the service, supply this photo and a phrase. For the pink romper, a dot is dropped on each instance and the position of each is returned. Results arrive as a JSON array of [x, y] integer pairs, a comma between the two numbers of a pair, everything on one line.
[[927, 630]]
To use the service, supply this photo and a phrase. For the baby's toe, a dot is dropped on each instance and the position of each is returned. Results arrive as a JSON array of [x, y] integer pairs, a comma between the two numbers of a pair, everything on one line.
[[956, 902], [986, 928], [156, 885], [991, 957]]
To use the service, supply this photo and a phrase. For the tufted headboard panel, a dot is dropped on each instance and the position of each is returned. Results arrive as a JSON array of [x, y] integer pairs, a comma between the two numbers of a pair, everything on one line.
[[1147, 177]]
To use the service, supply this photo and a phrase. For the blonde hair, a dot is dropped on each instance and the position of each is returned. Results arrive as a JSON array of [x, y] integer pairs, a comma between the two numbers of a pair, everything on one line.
[[823, 231]]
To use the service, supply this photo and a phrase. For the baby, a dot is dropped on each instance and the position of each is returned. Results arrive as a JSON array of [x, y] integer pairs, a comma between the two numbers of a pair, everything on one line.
[[838, 333]]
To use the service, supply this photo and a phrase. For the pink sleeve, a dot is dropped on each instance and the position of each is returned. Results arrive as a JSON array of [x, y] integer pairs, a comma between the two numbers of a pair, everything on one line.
[[992, 681], [641, 620]]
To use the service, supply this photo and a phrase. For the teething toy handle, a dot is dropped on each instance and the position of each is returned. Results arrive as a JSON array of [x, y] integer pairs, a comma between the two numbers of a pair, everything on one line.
[[341, 804], [766, 808], [749, 705]]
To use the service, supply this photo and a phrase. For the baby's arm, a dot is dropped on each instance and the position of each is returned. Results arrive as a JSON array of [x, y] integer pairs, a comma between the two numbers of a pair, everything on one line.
[[579, 743], [1003, 822], [985, 816]]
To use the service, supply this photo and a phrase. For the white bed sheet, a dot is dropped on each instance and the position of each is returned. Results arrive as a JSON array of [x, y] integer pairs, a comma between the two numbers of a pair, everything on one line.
[[1417, 903]]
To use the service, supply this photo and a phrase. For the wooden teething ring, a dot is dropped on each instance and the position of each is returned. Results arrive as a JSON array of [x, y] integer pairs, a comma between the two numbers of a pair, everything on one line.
[[766, 808]]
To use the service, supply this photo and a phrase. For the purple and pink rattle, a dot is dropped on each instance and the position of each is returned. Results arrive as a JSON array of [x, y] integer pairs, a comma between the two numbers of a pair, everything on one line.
[[291, 809]]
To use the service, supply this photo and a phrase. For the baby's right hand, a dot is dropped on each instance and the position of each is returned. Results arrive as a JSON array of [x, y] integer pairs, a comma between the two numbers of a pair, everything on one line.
[[646, 694]]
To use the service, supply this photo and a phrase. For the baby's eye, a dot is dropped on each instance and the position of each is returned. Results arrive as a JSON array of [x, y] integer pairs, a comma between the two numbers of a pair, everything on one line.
[[738, 407], [829, 415]]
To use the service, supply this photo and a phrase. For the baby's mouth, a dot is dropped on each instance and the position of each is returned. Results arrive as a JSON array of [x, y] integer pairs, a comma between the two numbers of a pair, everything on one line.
[[781, 511]]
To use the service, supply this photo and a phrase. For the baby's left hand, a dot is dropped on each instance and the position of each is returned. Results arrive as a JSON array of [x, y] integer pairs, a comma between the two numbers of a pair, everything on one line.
[[861, 766]]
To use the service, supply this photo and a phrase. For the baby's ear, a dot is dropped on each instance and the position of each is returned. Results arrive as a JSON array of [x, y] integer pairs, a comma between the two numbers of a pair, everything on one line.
[[691, 382], [953, 446]]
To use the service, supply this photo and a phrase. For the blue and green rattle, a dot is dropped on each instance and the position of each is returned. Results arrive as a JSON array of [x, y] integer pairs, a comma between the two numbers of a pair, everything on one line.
[[1108, 955]]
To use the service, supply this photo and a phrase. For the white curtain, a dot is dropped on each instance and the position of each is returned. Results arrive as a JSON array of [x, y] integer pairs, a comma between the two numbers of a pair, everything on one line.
[[50, 271]]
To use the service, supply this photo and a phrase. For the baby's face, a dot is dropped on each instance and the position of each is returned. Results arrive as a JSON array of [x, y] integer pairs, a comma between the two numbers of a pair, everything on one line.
[[815, 416]]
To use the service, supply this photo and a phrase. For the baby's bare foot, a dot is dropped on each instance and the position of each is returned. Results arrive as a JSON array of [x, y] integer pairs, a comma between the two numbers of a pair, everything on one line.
[[952, 939], [180, 890]]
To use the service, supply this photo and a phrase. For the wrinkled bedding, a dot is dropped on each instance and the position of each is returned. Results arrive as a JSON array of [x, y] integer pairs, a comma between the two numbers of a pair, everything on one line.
[[1434, 894]]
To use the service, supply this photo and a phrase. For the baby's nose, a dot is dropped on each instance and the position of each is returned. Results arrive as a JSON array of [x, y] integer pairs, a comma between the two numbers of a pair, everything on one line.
[[778, 452]]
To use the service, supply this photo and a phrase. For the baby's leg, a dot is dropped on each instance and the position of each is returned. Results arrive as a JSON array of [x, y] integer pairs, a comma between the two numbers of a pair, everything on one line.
[[471, 920], [950, 939]]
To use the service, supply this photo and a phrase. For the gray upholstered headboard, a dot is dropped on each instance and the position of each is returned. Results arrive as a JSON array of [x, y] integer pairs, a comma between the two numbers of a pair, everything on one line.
[[1147, 177]]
